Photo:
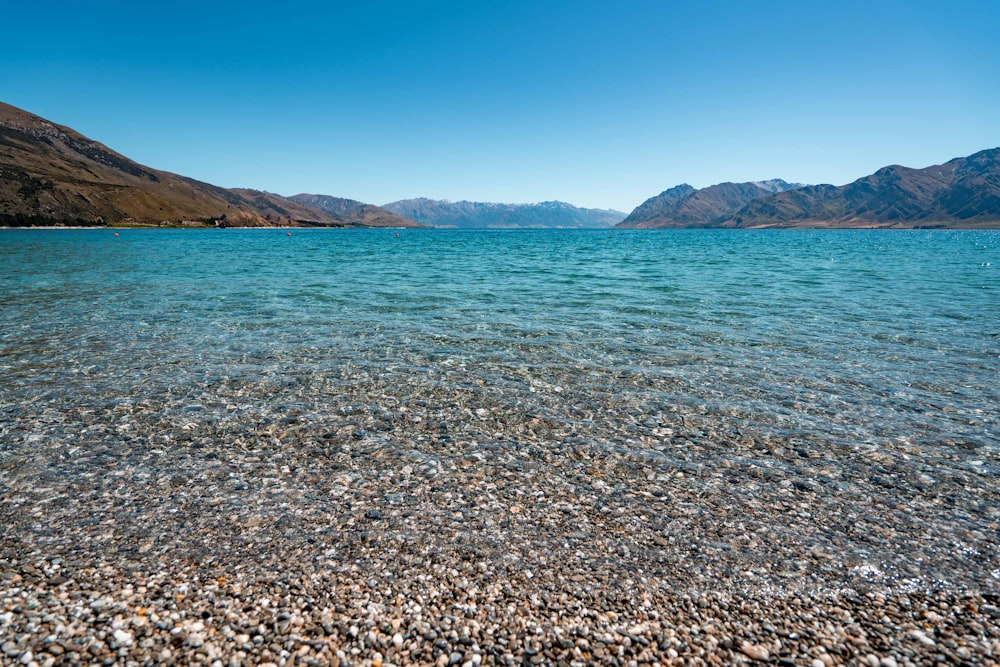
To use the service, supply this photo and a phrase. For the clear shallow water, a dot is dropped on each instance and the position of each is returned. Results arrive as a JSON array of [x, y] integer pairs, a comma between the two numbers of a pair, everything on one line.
[[839, 339]]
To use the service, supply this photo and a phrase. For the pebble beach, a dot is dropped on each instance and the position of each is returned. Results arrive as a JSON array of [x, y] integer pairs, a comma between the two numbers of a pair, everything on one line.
[[400, 499]]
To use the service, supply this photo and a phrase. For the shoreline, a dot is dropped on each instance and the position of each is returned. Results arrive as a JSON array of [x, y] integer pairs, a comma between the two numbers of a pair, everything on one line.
[[641, 451], [339, 547], [248, 614], [921, 228]]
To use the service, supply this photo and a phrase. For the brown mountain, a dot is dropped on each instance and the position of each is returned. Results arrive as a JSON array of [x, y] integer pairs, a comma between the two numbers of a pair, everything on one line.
[[350, 209], [683, 206], [53, 175], [961, 193]]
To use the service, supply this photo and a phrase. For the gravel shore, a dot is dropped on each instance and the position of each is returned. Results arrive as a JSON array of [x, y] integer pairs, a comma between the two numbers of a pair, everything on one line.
[[474, 528]]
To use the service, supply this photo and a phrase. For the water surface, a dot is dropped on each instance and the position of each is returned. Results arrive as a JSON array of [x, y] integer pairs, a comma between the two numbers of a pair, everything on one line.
[[834, 338]]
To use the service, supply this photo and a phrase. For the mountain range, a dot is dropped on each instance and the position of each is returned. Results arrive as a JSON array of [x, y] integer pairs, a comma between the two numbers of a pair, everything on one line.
[[684, 206], [53, 175], [368, 215], [964, 192], [961, 193], [469, 214]]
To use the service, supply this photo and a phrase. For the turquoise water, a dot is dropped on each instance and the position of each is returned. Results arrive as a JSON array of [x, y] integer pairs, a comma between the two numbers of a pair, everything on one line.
[[825, 339]]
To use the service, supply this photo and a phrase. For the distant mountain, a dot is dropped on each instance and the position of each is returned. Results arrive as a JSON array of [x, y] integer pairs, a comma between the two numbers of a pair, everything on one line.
[[964, 192], [367, 215], [53, 175], [684, 206], [776, 185], [468, 214]]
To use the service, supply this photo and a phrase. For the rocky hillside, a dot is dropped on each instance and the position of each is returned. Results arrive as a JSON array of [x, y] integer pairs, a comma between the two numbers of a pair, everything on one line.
[[684, 206], [964, 192], [468, 214], [53, 175]]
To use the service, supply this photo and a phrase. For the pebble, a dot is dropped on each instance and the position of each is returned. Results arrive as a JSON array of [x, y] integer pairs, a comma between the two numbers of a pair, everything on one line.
[[123, 638], [755, 651], [355, 514]]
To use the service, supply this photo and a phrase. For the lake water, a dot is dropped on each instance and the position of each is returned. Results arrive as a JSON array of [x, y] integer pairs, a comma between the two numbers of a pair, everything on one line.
[[819, 339]]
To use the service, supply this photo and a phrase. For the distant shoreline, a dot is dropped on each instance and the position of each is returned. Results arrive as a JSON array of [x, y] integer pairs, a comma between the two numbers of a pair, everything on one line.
[[923, 228], [185, 227]]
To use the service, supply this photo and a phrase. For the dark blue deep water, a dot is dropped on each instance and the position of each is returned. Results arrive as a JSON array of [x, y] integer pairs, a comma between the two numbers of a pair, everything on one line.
[[832, 338]]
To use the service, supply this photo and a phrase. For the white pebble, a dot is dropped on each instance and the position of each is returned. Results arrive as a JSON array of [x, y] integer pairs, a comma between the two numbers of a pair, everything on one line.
[[123, 638]]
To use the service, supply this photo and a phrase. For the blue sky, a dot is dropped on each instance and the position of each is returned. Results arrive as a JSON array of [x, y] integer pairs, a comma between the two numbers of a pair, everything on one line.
[[601, 104]]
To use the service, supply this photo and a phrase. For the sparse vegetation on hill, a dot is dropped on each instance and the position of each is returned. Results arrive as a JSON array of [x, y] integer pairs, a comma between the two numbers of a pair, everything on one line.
[[684, 206], [51, 175], [962, 193]]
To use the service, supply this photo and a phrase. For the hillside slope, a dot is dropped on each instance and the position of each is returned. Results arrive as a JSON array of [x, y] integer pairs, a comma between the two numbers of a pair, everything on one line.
[[356, 212], [684, 206], [53, 175], [963, 192]]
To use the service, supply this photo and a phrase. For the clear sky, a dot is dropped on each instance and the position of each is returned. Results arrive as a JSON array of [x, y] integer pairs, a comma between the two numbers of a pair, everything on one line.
[[600, 103]]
